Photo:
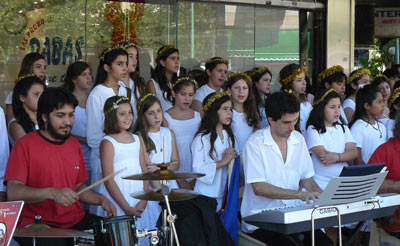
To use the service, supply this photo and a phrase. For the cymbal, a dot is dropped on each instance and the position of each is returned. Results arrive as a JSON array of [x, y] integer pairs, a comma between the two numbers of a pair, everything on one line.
[[156, 195], [42, 230], [164, 175]]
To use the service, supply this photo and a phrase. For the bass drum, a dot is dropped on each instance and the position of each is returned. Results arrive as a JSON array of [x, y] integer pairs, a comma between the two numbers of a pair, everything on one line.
[[120, 230]]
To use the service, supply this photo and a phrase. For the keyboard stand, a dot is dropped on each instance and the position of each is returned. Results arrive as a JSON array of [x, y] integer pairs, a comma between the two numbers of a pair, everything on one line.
[[313, 226]]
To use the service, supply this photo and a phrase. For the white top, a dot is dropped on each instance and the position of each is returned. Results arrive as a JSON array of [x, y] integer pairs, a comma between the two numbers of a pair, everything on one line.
[[4, 149], [184, 133], [389, 128], [163, 151], [165, 104], [349, 103], [240, 129], [10, 139], [126, 155], [263, 121], [9, 98], [368, 137], [333, 140], [79, 129], [305, 110], [263, 162], [202, 92], [343, 115], [214, 182]]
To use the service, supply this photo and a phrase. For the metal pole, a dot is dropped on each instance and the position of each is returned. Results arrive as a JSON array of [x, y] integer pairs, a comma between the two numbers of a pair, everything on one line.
[[192, 32], [397, 50]]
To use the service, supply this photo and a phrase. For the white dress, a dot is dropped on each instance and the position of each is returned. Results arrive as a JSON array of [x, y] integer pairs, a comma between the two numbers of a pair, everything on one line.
[[126, 155], [165, 104], [344, 117], [349, 103], [389, 128], [4, 149], [240, 129], [368, 137], [333, 140], [214, 182], [263, 121], [10, 139], [202, 92], [305, 110], [95, 121], [79, 129], [184, 133]]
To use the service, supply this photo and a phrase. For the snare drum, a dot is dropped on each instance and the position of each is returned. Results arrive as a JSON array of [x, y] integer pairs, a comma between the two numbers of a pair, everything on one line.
[[118, 230]]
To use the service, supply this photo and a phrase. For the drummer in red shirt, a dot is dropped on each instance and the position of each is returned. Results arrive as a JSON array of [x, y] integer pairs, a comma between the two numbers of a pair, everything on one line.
[[389, 153], [46, 169]]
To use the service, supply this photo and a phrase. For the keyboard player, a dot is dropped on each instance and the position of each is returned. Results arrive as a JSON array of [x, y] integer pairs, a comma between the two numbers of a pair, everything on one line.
[[276, 163]]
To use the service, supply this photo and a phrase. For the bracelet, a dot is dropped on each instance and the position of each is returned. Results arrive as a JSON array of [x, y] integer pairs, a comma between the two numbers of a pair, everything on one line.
[[339, 159]]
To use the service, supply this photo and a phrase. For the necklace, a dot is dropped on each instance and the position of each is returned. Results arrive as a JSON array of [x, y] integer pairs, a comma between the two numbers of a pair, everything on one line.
[[378, 129]]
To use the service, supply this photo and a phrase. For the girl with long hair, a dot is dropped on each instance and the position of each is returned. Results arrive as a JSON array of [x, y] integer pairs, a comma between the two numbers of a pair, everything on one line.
[[216, 69], [164, 75], [382, 83], [394, 106]]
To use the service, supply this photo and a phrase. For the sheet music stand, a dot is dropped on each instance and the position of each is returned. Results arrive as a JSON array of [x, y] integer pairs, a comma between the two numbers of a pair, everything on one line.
[[342, 190]]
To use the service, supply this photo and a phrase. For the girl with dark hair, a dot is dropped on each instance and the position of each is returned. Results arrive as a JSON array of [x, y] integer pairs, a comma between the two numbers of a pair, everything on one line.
[[368, 132], [292, 79], [78, 80], [245, 118], [33, 63], [160, 146], [122, 150], [334, 78], [214, 146], [164, 75], [113, 67], [261, 86], [357, 79], [382, 83], [331, 144], [184, 122], [216, 69], [27, 91], [394, 106]]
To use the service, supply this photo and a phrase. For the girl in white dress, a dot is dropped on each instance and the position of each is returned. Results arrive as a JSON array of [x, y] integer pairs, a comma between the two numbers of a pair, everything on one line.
[[112, 68], [33, 63], [357, 79], [122, 150], [26, 93], [216, 69], [184, 122], [382, 83], [394, 106], [292, 79], [335, 78], [367, 130], [160, 145], [78, 80], [164, 75], [261, 86], [214, 147], [331, 144]]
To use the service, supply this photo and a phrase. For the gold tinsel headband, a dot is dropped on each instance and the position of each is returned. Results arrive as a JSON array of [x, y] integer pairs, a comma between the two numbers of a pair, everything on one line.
[[324, 96], [260, 70], [393, 97], [359, 72], [219, 60], [382, 76], [214, 97], [111, 49], [163, 50], [187, 79], [291, 77], [144, 98], [26, 76], [328, 72], [239, 74], [116, 105]]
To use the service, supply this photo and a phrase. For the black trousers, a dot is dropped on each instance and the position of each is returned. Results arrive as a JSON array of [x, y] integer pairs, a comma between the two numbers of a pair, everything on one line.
[[85, 224], [274, 238]]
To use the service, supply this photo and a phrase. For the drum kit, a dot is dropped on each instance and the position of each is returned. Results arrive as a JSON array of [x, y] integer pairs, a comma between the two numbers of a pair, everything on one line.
[[121, 230]]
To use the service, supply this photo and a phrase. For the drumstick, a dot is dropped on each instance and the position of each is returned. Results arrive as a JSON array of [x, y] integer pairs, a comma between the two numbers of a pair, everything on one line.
[[100, 181]]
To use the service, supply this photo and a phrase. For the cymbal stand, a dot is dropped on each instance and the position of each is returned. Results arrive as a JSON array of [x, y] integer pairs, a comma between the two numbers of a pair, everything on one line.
[[170, 218]]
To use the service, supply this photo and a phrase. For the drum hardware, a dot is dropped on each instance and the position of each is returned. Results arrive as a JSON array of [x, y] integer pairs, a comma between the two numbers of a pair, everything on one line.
[[156, 195], [154, 238]]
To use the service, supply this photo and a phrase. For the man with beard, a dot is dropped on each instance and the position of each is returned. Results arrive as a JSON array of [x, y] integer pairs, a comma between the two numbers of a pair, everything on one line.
[[46, 169]]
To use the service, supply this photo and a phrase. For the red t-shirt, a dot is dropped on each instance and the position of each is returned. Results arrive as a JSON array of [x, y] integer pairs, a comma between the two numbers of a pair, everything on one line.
[[40, 163], [389, 153]]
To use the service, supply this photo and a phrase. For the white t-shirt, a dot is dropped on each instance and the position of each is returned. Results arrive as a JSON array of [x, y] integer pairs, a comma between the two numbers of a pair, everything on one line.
[[4, 149], [240, 129], [165, 104], [263, 121], [368, 137], [389, 128], [333, 140], [349, 103], [202, 92], [263, 162], [305, 110], [343, 114]]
